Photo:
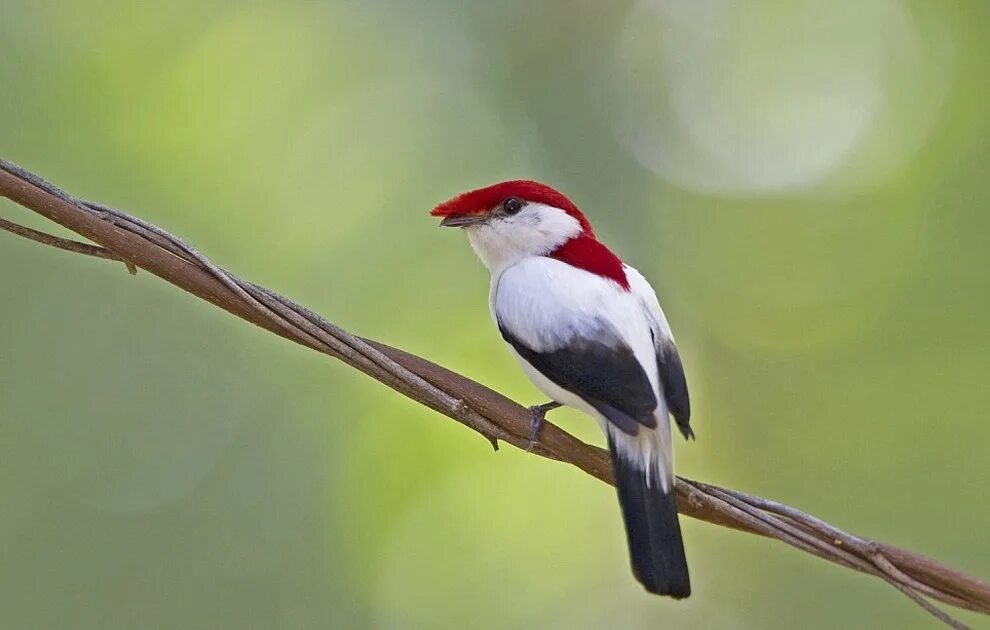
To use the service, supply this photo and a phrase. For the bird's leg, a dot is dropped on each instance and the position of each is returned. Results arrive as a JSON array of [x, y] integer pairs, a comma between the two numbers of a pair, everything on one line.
[[537, 414]]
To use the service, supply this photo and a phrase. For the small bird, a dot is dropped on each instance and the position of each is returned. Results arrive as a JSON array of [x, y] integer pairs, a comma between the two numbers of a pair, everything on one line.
[[589, 332]]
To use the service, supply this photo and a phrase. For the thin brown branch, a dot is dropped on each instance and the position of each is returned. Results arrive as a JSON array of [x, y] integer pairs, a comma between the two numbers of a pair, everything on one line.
[[62, 243], [138, 243]]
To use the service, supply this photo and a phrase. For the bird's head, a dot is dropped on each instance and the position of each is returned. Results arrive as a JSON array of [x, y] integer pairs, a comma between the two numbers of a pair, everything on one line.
[[512, 220]]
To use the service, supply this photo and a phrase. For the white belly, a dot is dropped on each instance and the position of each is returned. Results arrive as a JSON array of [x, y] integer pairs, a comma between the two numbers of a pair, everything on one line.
[[544, 303], [651, 449], [557, 393]]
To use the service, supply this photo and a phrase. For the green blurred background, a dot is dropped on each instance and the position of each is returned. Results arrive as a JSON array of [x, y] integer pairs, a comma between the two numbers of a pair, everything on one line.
[[805, 183]]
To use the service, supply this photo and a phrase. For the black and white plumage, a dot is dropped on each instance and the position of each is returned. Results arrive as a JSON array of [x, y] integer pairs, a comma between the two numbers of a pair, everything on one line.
[[589, 332]]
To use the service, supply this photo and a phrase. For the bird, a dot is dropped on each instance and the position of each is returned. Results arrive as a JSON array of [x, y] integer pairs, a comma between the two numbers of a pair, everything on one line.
[[589, 332]]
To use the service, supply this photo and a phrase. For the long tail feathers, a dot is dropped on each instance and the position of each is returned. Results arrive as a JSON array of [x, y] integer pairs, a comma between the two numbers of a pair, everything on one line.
[[652, 529]]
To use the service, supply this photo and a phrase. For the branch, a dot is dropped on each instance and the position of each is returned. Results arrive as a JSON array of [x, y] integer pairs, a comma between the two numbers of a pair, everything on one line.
[[140, 244], [62, 243]]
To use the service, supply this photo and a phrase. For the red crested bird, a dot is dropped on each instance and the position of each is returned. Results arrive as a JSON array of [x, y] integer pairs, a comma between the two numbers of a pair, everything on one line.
[[589, 332]]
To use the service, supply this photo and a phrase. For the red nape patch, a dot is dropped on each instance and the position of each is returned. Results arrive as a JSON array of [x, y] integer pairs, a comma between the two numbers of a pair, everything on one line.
[[484, 199], [588, 253]]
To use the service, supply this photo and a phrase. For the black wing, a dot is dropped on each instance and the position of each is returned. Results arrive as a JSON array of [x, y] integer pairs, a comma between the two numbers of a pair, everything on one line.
[[675, 391], [603, 372]]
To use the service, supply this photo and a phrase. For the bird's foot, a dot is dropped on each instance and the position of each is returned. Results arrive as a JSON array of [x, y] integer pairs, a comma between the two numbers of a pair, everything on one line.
[[537, 415]]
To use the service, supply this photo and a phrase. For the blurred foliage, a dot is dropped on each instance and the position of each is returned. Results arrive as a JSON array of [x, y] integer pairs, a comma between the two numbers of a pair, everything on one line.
[[805, 184]]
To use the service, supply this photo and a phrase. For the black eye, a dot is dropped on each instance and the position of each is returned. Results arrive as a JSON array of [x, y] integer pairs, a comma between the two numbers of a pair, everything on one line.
[[512, 205]]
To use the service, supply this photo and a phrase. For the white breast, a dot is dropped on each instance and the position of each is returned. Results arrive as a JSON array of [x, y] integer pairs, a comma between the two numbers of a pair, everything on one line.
[[545, 303]]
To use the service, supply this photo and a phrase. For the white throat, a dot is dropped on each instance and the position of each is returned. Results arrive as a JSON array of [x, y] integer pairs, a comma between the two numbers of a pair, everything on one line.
[[536, 230]]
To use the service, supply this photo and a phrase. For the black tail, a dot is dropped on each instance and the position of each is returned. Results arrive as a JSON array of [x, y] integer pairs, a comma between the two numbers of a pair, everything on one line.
[[654, 533]]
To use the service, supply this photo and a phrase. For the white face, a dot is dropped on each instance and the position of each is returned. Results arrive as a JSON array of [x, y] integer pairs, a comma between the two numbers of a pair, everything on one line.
[[535, 230]]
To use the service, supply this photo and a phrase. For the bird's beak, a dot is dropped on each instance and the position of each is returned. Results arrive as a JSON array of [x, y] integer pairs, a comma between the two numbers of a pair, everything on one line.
[[462, 220]]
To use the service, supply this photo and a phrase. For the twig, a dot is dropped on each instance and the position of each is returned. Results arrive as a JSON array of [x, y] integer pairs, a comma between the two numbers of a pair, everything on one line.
[[62, 243], [138, 243]]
